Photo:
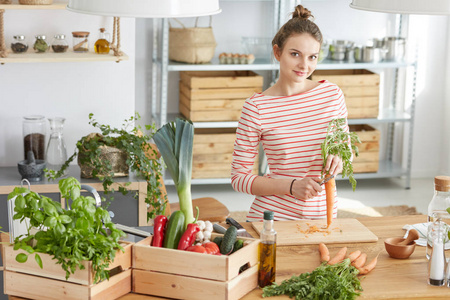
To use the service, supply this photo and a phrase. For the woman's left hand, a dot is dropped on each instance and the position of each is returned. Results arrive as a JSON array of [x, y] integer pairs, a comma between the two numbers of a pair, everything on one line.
[[333, 165]]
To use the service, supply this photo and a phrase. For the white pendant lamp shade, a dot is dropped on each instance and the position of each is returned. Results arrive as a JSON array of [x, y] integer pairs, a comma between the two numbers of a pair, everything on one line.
[[421, 7], [146, 8]]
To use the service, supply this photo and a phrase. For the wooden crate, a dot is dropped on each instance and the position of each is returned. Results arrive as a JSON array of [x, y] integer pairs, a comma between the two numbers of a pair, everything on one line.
[[361, 90], [213, 153], [216, 95], [368, 159], [189, 275], [29, 281]]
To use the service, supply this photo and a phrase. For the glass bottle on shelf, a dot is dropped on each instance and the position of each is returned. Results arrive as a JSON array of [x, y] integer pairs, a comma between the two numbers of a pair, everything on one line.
[[34, 130], [59, 43], [56, 154], [437, 209], [102, 44], [267, 251], [19, 44], [40, 45]]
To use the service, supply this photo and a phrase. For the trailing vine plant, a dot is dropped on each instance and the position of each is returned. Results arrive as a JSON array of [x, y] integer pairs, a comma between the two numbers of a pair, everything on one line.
[[141, 158]]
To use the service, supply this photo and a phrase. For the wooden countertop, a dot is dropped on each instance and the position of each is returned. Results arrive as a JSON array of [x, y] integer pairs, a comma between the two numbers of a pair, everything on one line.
[[391, 279]]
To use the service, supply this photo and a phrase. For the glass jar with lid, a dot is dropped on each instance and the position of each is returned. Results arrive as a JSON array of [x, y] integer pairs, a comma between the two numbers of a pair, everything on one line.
[[34, 131], [40, 45], [80, 41], [59, 43], [19, 44]]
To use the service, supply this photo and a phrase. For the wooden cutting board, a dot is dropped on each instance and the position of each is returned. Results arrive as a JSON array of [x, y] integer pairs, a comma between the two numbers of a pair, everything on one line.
[[340, 231]]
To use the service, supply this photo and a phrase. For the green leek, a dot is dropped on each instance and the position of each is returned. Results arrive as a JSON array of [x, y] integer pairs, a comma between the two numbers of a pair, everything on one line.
[[175, 141]]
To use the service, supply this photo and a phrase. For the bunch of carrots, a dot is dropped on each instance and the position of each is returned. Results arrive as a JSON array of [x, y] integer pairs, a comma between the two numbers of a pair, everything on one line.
[[357, 259], [340, 143]]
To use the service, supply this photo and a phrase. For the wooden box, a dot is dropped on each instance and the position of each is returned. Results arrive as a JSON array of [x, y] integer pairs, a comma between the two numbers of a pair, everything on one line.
[[368, 159], [213, 153], [216, 95], [28, 280], [361, 90], [189, 275]]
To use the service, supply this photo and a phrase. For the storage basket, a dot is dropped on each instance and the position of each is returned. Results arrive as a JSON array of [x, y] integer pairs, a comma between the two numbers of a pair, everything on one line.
[[36, 2], [193, 45]]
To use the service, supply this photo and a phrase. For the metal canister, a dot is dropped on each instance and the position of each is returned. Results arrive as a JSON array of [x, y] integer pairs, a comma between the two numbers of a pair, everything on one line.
[[395, 47]]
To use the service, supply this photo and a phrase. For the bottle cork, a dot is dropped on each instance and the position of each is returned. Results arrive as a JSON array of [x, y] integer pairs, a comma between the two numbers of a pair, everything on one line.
[[442, 183]]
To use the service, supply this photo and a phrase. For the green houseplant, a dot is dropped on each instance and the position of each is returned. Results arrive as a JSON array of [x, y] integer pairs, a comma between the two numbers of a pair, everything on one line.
[[82, 233], [140, 158]]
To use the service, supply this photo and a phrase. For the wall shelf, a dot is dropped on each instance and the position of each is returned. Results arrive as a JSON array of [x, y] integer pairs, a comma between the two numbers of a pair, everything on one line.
[[31, 7], [48, 57]]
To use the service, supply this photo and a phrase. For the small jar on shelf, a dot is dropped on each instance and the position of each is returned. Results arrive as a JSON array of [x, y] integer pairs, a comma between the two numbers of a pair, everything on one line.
[[40, 45], [19, 44], [80, 41], [102, 44], [59, 43]]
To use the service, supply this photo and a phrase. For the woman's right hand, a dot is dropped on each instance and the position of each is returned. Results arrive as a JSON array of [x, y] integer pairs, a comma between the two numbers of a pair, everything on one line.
[[306, 188]]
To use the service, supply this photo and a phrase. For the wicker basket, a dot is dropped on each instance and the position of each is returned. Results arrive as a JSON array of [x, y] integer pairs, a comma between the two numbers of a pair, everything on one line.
[[117, 158], [36, 2]]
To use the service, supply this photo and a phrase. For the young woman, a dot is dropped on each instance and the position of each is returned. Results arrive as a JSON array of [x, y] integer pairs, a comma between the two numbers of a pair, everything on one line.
[[290, 120]]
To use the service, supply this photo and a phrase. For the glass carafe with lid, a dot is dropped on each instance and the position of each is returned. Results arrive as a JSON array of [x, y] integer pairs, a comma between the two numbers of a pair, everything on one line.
[[102, 44], [437, 209], [56, 154]]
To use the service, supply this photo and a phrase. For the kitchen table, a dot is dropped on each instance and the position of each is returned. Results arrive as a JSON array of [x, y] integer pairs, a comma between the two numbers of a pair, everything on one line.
[[391, 279]]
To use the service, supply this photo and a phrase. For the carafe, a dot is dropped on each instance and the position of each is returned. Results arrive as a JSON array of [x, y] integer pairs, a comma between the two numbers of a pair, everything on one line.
[[56, 154], [102, 44], [437, 209]]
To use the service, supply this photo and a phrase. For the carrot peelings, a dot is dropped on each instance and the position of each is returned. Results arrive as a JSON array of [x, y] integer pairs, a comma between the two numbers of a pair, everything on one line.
[[340, 143]]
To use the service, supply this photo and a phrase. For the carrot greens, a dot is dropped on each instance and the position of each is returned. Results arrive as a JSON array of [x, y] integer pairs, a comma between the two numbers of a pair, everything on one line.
[[341, 143], [339, 281]]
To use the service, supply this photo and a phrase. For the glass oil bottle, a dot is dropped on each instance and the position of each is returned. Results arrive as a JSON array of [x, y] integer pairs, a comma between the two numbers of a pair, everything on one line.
[[102, 45], [267, 251]]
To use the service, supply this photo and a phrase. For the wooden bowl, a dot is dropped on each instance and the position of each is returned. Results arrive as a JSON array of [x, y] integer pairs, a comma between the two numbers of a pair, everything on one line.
[[398, 251]]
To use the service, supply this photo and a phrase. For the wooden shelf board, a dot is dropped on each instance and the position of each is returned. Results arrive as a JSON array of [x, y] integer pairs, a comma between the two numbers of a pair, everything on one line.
[[22, 6], [70, 56]]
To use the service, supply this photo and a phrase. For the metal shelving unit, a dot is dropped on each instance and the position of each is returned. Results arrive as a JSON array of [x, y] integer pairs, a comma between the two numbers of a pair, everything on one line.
[[389, 116]]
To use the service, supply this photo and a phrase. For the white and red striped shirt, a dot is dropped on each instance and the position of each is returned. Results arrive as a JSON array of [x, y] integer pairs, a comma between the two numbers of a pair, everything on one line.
[[291, 130]]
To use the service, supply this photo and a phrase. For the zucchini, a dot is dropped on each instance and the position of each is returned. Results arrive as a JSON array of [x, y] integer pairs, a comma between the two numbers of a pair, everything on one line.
[[175, 229], [229, 238], [238, 245], [218, 240]]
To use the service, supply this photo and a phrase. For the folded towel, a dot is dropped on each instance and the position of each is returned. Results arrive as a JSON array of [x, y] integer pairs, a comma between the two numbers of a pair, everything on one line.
[[422, 228]]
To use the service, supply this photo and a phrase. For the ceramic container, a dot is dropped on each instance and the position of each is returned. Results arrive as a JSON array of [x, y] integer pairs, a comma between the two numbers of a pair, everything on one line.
[[398, 251]]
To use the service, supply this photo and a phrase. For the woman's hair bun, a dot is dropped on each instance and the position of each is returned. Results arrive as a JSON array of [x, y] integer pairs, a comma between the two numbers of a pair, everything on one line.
[[302, 13]]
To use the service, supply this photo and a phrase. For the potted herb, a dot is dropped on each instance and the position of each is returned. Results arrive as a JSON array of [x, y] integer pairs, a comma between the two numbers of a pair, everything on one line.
[[131, 149], [82, 233]]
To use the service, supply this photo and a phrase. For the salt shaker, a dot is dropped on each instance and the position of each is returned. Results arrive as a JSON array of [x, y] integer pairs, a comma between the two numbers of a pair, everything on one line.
[[436, 264]]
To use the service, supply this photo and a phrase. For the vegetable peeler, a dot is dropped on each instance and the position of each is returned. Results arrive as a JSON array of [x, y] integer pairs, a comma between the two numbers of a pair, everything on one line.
[[326, 179]]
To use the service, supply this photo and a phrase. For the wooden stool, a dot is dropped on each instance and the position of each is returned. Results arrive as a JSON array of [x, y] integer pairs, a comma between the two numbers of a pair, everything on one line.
[[211, 209]]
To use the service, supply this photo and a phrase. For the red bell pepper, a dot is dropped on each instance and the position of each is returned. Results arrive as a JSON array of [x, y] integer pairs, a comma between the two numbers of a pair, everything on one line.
[[158, 230], [188, 237]]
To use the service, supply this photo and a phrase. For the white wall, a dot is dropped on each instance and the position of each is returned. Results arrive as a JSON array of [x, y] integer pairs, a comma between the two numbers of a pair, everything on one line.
[[70, 90]]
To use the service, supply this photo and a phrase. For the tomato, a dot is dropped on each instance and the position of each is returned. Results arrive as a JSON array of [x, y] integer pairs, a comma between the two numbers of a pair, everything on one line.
[[211, 248], [198, 248]]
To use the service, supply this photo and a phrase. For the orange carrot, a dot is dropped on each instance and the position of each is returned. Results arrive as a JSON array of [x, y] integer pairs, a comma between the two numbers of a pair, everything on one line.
[[324, 253], [338, 257], [360, 261], [354, 255], [330, 187], [369, 267]]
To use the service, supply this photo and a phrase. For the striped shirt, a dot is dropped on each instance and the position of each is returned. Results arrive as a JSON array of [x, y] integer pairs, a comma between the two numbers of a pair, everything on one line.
[[290, 130]]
